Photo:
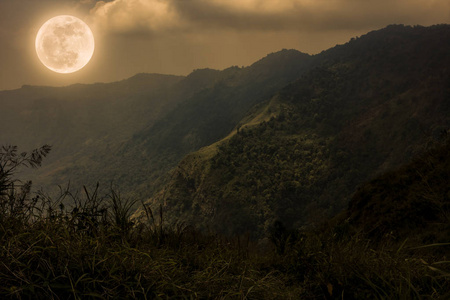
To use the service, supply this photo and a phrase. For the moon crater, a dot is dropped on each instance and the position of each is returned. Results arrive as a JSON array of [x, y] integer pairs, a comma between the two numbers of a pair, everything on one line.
[[65, 44]]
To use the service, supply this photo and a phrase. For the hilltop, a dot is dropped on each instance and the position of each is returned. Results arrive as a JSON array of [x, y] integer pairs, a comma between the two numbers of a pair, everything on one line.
[[366, 107]]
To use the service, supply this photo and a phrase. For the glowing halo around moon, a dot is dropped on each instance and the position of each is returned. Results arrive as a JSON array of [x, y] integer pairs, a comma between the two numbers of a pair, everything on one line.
[[65, 44]]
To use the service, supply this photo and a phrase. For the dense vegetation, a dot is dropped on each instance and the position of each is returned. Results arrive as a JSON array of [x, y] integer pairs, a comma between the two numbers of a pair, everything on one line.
[[302, 155], [89, 248], [132, 132], [413, 199]]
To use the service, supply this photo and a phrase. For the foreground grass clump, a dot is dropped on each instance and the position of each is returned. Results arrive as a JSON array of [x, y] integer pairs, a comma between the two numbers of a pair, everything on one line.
[[330, 265], [49, 259], [58, 258], [87, 247]]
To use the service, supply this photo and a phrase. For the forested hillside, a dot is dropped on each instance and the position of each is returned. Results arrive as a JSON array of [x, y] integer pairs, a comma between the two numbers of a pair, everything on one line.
[[368, 106], [144, 161], [412, 201], [131, 133]]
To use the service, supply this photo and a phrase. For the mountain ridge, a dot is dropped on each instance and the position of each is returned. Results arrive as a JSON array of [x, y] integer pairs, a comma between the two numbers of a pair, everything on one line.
[[340, 124], [111, 118], [133, 132]]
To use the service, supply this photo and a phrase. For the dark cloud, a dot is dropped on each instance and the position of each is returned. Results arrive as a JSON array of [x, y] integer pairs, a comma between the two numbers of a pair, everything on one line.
[[294, 15], [177, 36]]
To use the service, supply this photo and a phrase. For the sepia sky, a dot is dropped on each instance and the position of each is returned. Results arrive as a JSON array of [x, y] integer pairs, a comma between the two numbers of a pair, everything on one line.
[[178, 36]]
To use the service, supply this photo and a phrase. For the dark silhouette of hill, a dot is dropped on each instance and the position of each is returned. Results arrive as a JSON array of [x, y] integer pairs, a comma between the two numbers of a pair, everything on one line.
[[206, 117], [141, 164], [85, 123], [68, 117], [132, 132], [213, 113], [412, 201], [366, 107]]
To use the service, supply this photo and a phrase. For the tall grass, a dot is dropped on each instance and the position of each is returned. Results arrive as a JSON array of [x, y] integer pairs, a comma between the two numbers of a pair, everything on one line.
[[93, 251], [86, 246]]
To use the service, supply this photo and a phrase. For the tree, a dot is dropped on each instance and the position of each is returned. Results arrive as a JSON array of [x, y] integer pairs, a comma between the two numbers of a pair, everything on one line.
[[14, 192]]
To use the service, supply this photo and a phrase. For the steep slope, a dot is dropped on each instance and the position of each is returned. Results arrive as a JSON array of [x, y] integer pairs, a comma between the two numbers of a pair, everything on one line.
[[412, 201], [69, 116], [366, 107], [214, 112], [133, 132], [86, 123], [141, 164]]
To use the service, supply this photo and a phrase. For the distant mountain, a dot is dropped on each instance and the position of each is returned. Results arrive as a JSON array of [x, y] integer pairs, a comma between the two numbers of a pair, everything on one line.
[[361, 108], [72, 117], [86, 123], [210, 115], [205, 117], [134, 131]]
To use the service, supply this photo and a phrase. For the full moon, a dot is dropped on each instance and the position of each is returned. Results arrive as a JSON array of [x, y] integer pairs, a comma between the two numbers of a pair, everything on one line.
[[64, 44]]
